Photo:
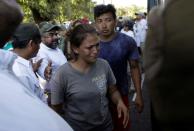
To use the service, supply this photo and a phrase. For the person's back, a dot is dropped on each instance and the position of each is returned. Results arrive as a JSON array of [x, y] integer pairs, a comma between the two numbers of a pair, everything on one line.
[[20, 109], [169, 64], [26, 41]]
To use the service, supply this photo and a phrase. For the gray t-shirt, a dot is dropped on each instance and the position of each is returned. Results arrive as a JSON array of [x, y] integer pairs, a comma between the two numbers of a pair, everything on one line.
[[84, 95]]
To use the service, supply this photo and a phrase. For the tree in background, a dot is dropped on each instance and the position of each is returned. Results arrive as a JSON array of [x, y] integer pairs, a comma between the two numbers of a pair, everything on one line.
[[63, 10], [59, 10], [129, 11]]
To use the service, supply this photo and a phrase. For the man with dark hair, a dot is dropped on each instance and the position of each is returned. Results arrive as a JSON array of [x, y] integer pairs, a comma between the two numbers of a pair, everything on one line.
[[26, 43], [9, 19], [20, 109], [118, 49]]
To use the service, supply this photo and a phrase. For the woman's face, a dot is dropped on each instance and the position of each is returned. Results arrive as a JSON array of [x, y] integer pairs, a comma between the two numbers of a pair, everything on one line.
[[89, 48]]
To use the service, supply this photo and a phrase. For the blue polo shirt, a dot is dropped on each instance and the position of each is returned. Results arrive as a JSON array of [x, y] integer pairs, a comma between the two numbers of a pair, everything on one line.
[[117, 52]]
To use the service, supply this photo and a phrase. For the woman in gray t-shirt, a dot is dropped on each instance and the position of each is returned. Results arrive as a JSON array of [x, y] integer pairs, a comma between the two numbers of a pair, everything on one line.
[[80, 88]]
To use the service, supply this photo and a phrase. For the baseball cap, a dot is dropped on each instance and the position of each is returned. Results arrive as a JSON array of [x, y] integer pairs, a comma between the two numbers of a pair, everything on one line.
[[42, 23], [140, 14], [48, 27], [27, 31]]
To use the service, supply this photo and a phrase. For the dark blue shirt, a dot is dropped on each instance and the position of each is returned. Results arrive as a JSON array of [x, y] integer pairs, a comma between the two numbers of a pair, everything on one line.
[[117, 52]]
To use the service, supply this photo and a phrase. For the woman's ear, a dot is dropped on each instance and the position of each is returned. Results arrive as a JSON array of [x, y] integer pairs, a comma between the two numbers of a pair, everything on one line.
[[75, 50]]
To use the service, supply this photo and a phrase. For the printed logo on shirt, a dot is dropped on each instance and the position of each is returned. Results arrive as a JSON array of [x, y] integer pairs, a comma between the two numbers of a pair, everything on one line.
[[100, 82]]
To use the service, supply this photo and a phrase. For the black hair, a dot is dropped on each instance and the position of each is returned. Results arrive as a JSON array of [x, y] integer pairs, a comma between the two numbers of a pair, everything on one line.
[[101, 9], [79, 34], [18, 43], [129, 24], [23, 43], [11, 16]]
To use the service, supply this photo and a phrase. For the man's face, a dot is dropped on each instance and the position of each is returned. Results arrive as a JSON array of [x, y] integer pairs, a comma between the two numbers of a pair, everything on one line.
[[33, 48], [50, 39], [105, 24]]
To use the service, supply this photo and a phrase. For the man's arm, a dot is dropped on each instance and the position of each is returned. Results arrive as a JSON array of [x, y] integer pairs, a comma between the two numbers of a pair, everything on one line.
[[136, 77]]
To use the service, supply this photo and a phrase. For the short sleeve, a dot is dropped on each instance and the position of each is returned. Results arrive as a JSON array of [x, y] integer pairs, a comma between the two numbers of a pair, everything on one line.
[[133, 50], [57, 88], [111, 80]]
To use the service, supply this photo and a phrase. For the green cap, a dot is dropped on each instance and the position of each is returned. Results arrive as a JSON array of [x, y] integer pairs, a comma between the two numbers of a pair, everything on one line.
[[48, 27]]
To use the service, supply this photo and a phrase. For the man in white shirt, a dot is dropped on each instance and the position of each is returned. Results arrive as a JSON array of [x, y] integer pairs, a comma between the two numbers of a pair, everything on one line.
[[139, 29], [26, 43], [20, 109], [49, 52]]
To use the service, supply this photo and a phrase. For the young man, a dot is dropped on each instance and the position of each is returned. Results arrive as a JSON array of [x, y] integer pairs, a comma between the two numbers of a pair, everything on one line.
[[118, 49], [20, 109]]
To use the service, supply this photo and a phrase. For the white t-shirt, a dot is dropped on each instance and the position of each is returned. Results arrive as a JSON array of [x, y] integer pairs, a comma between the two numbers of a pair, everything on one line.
[[56, 56], [20, 109], [129, 33]]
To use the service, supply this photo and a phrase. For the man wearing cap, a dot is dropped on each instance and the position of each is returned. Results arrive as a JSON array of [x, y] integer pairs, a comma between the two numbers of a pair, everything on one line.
[[140, 28], [26, 43], [20, 109], [49, 52]]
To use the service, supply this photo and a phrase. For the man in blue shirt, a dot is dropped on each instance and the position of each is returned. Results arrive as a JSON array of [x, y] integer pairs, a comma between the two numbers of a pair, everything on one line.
[[118, 49]]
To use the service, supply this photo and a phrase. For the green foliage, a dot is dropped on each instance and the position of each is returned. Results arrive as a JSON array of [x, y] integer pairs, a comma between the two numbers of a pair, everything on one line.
[[59, 10], [130, 11], [62, 10]]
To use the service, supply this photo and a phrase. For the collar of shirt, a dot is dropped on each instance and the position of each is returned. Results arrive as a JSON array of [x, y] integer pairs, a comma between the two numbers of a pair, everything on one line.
[[24, 62], [43, 46]]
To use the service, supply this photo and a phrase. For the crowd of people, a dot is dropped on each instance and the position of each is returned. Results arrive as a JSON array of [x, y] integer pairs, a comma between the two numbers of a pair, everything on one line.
[[58, 80], [87, 90]]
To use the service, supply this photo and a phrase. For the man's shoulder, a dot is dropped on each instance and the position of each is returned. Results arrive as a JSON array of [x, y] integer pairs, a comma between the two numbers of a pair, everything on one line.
[[125, 40]]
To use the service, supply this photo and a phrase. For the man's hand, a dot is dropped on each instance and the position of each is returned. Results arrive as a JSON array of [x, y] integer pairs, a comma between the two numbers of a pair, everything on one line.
[[48, 71], [122, 109], [36, 65]]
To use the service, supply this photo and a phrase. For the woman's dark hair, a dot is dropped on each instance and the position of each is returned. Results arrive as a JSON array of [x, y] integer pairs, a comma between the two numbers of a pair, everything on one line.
[[102, 9], [79, 34]]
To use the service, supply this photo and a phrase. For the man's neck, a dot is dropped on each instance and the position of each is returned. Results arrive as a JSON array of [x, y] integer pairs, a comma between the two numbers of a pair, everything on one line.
[[107, 38], [21, 53]]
